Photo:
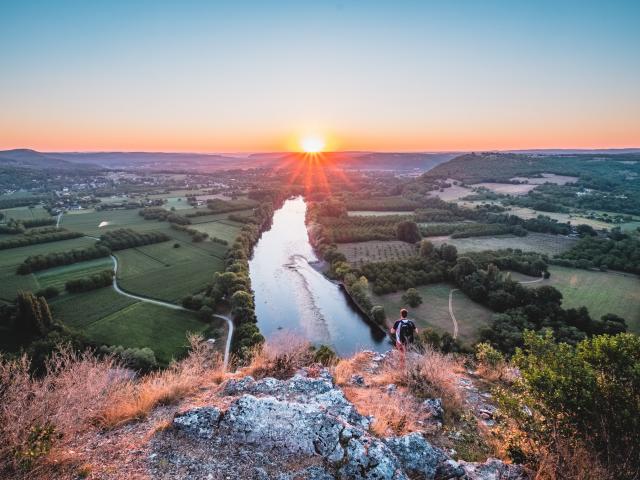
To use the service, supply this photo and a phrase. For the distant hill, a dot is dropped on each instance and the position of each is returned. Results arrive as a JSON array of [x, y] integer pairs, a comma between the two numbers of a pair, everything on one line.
[[25, 158], [368, 160], [500, 167]]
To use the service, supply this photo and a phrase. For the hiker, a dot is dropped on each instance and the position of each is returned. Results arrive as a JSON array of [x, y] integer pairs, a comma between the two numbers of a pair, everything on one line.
[[404, 330]]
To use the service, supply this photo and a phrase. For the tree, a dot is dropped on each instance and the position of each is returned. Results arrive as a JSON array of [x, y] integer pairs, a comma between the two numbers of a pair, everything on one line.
[[378, 314], [426, 248], [448, 253], [412, 297], [242, 306], [33, 317], [408, 231]]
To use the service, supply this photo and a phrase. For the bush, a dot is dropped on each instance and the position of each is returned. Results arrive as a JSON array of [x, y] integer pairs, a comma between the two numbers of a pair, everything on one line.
[[378, 315], [589, 392], [49, 292], [325, 355], [408, 231], [412, 297]]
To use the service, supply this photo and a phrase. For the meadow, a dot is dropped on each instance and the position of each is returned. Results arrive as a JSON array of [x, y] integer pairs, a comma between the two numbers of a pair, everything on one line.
[[25, 213], [164, 272], [533, 242], [434, 311], [146, 325], [10, 282], [600, 292], [58, 276], [224, 229]]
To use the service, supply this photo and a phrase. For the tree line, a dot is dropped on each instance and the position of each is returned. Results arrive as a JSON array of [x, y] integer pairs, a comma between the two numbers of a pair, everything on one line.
[[14, 226], [92, 282], [617, 251], [34, 238], [161, 214], [196, 235], [128, 238], [35, 263]]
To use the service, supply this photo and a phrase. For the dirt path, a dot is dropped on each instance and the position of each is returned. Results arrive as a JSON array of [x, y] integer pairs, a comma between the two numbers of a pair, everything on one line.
[[453, 317]]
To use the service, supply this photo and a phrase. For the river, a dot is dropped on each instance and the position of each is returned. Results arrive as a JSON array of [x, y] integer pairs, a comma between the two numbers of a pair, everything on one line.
[[293, 296]]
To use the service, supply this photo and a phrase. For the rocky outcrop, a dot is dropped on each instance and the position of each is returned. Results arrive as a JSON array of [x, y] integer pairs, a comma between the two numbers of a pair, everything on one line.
[[300, 428]]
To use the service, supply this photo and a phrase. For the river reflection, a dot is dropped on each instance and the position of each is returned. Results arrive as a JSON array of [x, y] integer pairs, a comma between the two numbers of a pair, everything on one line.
[[292, 296]]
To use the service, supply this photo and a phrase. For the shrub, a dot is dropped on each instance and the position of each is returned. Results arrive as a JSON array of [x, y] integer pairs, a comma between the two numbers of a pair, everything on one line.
[[325, 355], [378, 314], [412, 297], [408, 231], [280, 357]]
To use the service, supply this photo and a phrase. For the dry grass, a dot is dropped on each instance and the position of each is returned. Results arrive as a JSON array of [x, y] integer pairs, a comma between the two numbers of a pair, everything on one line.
[[424, 374], [135, 399], [280, 357], [393, 414], [80, 392]]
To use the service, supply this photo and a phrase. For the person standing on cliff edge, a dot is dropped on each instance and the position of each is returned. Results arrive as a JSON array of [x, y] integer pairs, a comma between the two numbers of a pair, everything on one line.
[[404, 331]]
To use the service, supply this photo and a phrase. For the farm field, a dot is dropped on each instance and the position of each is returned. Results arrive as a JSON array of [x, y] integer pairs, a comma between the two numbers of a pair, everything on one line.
[[10, 282], [25, 213], [224, 229], [88, 223], [535, 242], [166, 273], [600, 292], [547, 178], [375, 213], [507, 188], [58, 276], [376, 251], [434, 311], [452, 193], [80, 310], [145, 325]]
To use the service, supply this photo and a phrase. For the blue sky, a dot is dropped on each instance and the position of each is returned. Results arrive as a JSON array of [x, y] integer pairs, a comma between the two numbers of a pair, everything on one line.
[[248, 75]]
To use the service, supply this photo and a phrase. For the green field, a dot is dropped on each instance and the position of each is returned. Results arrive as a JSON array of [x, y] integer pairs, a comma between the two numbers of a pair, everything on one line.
[[166, 273], [146, 325], [58, 276], [534, 242], [25, 213], [434, 311], [600, 292], [224, 229], [79, 310], [10, 282], [88, 223]]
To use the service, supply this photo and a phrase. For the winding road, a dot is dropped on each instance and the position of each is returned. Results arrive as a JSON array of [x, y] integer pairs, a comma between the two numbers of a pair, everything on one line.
[[160, 303], [173, 306], [453, 317]]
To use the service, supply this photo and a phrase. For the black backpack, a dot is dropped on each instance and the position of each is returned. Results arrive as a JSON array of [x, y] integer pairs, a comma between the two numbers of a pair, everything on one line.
[[405, 330]]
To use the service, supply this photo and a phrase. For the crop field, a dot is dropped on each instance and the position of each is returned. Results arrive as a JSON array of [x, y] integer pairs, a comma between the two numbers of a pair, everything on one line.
[[10, 282], [534, 242], [179, 203], [375, 213], [547, 178], [163, 272], [145, 325], [89, 223], [600, 292], [434, 311], [507, 188], [58, 276], [79, 310], [25, 213], [224, 229], [376, 251], [452, 193]]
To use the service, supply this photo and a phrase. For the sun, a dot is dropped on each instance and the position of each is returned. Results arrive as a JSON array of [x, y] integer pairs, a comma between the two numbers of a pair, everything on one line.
[[312, 144]]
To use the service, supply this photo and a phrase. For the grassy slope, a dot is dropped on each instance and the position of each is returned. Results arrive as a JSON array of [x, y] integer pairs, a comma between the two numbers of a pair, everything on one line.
[[600, 292], [535, 242]]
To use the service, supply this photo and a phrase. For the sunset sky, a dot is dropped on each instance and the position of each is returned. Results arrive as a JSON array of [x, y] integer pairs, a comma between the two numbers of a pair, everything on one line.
[[217, 76]]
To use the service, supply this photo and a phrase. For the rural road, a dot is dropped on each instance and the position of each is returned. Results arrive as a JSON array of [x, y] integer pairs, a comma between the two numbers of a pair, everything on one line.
[[453, 317], [172, 306]]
